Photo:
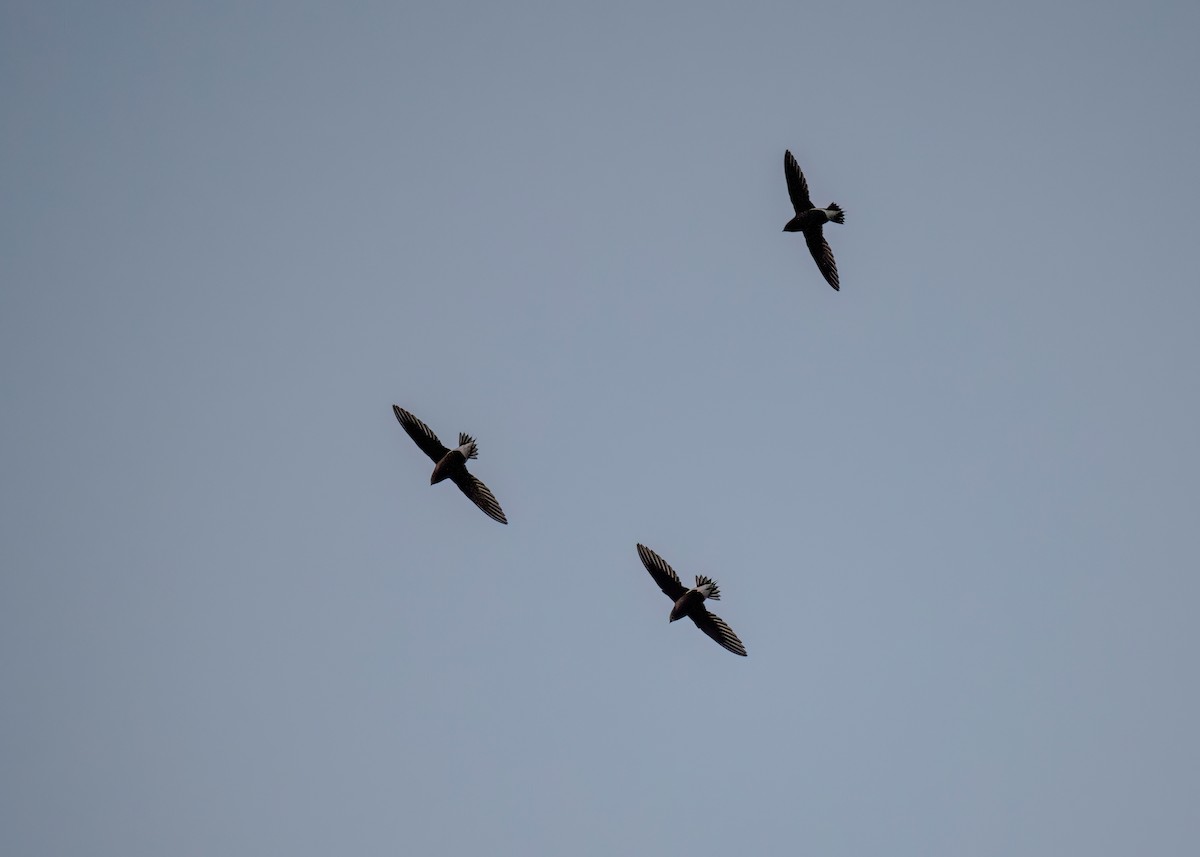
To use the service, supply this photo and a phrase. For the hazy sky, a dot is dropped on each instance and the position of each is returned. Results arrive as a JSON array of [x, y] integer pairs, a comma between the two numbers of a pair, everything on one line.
[[952, 509]]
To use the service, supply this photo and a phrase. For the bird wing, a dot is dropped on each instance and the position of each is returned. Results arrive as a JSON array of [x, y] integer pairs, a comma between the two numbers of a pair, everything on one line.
[[715, 627], [480, 495], [797, 186], [822, 255], [663, 574], [421, 433]]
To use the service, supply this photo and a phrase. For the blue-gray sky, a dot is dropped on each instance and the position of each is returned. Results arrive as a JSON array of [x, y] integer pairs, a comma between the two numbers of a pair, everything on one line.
[[952, 508]]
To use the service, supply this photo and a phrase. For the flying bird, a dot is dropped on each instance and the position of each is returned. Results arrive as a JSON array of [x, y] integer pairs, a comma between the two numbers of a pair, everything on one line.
[[690, 602], [809, 220], [451, 463]]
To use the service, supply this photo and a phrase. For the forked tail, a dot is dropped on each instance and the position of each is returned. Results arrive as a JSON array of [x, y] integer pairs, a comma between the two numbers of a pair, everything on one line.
[[707, 587], [468, 446]]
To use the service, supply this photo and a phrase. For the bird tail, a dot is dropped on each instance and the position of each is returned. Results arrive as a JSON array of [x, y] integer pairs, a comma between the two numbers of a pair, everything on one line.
[[468, 446], [707, 587], [835, 213]]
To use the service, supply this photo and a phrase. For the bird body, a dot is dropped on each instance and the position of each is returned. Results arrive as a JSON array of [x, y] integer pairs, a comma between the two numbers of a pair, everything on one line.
[[691, 603], [454, 462], [810, 220], [815, 218]]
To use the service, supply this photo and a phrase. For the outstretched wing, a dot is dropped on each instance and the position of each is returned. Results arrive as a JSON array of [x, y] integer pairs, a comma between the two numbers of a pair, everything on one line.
[[421, 433], [715, 627], [797, 186], [663, 574], [480, 495], [822, 255]]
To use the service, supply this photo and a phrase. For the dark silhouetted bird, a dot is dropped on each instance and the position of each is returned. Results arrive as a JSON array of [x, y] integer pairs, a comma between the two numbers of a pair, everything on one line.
[[690, 602], [451, 463], [810, 220]]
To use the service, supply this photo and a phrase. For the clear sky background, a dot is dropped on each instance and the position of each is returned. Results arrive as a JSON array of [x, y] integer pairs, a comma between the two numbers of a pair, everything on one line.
[[952, 508]]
